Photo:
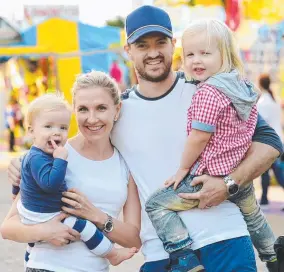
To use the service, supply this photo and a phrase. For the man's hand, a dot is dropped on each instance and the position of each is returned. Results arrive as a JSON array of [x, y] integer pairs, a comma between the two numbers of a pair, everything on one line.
[[14, 171], [213, 192]]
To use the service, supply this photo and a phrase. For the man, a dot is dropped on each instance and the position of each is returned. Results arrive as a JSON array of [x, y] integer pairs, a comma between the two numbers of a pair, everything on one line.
[[151, 134]]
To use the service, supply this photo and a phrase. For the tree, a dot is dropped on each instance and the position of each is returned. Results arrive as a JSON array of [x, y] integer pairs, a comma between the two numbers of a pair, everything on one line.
[[118, 22]]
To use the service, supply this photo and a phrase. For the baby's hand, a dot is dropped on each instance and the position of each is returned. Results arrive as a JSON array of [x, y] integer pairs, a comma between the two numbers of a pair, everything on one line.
[[59, 151], [169, 182], [177, 178]]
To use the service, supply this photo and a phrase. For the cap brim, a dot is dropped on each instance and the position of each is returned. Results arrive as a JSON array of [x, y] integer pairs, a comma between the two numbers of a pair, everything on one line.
[[146, 30]]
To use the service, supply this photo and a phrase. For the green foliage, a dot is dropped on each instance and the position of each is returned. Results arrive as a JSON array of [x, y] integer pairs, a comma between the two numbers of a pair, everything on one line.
[[118, 22]]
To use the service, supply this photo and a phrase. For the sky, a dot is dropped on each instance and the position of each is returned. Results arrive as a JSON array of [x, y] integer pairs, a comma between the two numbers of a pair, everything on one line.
[[94, 12]]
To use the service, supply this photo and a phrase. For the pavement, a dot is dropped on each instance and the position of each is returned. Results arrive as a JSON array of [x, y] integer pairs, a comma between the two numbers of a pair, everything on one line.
[[11, 257]]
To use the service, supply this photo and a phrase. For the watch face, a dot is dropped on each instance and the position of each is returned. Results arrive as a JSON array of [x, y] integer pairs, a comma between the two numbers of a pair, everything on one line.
[[233, 189], [108, 226]]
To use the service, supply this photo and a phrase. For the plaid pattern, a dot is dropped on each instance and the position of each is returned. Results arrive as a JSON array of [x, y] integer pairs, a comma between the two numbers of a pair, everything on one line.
[[232, 137]]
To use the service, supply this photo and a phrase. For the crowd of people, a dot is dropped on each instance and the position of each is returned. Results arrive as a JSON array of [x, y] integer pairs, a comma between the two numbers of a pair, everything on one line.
[[153, 154]]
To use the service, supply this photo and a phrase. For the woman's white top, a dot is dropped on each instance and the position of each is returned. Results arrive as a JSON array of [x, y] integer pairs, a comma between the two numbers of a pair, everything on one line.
[[271, 112], [105, 184]]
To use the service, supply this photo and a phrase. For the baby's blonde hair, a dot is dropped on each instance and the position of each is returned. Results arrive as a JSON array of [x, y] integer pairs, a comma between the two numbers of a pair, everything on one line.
[[225, 39], [46, 102], [97, 79]]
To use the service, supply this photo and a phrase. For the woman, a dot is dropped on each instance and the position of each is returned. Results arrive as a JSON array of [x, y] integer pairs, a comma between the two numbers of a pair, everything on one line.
[[270, 110], [98, 171]]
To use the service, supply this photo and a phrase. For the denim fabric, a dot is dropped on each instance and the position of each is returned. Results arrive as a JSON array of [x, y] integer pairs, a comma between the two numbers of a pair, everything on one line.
[[278, 170], [233, 255], [161, 266], [163, 205], [162, 208], [258, 227], [202, 126]]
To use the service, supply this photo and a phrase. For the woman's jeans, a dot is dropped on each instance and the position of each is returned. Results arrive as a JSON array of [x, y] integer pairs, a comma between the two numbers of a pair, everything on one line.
[[163, 207], [278, 170]]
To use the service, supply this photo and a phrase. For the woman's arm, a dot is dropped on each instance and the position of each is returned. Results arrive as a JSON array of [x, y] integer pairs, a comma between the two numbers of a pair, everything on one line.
[[13, 229], [52, 231], [124, 233]]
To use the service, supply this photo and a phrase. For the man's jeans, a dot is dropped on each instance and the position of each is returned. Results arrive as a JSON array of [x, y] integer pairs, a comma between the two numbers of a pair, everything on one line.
[[163, 205], [226, 256]]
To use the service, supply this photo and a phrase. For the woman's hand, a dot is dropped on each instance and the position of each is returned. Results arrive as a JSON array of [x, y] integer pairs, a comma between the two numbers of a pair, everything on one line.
[[56, 233], [82, 207]]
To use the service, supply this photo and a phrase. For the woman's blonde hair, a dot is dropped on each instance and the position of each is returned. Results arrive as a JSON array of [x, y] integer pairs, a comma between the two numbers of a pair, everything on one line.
[[46, 102], [216, 29], [97, 79]]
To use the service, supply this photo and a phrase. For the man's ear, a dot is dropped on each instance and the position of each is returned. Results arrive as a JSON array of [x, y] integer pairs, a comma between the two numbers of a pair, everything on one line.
[[127, 49]]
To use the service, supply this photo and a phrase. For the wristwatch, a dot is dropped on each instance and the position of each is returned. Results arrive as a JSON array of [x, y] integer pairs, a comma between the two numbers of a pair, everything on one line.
[[108, 226], [232, 186]]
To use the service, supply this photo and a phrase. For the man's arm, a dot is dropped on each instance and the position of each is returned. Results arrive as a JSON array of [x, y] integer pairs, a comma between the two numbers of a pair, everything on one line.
[[259, 159], [265, 149]]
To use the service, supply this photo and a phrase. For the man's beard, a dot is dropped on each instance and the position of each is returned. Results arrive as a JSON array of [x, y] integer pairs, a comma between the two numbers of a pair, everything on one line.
[[142, 74]]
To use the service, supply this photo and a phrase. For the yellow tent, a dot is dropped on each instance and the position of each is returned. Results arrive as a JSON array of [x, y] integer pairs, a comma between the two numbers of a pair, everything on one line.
[[67, 41]]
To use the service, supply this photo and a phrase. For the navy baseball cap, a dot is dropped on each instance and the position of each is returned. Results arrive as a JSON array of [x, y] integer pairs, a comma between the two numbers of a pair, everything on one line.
[[147, 19]]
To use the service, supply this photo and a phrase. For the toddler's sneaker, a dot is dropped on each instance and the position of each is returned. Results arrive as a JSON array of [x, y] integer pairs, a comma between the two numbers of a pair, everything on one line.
[[185, 261]]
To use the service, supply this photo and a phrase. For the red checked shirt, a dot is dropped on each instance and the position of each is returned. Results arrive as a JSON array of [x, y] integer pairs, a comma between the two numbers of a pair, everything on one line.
[[212, 111]]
